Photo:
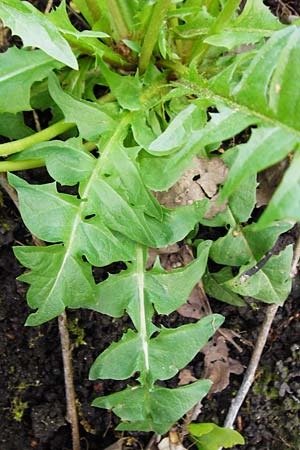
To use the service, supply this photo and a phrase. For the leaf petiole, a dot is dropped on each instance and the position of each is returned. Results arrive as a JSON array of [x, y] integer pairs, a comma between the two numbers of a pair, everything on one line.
[[8, 148]]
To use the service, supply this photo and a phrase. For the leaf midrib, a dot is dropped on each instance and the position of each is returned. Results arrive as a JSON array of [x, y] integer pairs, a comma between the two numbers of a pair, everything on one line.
[[85, 194], [208, 93], [23, 70]]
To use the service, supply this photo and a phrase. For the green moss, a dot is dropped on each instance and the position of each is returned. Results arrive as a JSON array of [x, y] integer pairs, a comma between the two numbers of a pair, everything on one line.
[[18, 408], [264, 384], [77, 332]]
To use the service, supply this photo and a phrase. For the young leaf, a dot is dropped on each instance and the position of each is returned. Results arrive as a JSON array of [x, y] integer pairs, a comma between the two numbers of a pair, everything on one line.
[[254, 24], [209, 436], [36, 31], [19, 69]]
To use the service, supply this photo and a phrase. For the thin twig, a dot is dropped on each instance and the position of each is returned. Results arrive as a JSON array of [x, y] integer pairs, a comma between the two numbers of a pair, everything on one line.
[[9, 189], [250, 372], [48, 7], [72, 416], [36, 120], [256, 356], [296, 257], [154, 439]]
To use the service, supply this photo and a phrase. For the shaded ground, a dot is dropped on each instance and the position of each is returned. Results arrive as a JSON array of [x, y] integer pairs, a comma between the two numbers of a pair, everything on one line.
[[32, 399]]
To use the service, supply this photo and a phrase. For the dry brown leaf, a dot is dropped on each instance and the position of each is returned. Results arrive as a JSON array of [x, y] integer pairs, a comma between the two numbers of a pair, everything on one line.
[[268, 181], [217, 364], [197, 305], [185, 377], [197, 183], [171, 257], [166, 444]]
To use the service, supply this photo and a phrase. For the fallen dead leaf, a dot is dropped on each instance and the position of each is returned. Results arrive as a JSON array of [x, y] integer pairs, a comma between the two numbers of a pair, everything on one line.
[[218, 365], [268, 180], [197, 183], [197, 305], [166, 444], [186, 377]]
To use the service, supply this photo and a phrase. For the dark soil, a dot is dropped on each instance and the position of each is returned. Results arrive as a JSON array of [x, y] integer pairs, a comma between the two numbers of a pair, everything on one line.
[[32, 398]]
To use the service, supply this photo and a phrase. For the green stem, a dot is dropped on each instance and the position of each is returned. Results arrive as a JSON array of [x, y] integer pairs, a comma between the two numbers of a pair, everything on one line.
[[8, 148], [25, 164], [12, 166], [221, 21], [117, 19], [106, 98], [90, 10], [152, 32]]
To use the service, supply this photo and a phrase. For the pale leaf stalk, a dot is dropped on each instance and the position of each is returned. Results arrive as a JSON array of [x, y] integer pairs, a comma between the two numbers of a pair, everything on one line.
[[141, 288], [152, 32]]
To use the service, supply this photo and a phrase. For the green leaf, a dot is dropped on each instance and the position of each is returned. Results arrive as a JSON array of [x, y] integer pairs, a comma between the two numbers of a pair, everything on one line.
[[90, 120], [122, 359], [177, 133], [13, 126], [166, 290], [127, 89], [53, 276], [255, 155], [209, 436], [252, 25], [67, 162], [285, 203], [271, 284], [243, 245], [214, 287], [161, 173], [36, 31], [19, 69], [153, 411]]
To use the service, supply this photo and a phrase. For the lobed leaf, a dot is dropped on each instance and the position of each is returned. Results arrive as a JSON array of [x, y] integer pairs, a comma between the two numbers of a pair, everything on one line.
[[209, 436], [36, 30], [91, 121], [147, 411], [19, 69]]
